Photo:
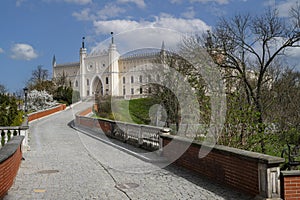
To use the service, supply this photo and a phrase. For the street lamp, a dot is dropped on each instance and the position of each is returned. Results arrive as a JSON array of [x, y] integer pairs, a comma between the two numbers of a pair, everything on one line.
[[25, 93]]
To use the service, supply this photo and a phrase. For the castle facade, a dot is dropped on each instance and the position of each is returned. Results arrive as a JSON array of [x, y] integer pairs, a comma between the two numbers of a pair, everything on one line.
[[107, 73]]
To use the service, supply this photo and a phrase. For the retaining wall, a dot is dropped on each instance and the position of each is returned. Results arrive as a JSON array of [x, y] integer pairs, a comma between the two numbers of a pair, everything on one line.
[[43, 113], [10, 160], [250, 172]]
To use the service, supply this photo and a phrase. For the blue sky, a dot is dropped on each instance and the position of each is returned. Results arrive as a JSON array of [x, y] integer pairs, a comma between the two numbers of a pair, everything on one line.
[[32, 31]]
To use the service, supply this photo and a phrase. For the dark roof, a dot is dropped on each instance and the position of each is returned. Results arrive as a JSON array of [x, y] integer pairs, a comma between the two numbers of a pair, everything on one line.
[[71, 64]]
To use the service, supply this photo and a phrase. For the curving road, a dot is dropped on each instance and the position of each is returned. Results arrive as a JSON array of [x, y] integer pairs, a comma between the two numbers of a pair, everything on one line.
[[66, 164]]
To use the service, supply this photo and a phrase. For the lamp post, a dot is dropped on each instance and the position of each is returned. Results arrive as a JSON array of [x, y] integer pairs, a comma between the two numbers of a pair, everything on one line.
[[25, 93]]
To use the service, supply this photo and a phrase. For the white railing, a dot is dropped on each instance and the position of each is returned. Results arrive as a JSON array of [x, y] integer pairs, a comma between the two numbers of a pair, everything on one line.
[[7, 133], [142, 135]]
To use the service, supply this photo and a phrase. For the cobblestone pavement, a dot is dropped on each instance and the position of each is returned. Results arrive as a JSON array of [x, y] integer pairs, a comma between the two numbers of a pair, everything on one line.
[[66, 164]]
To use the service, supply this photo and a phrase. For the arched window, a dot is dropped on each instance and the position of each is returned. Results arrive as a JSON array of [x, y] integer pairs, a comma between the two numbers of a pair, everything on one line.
[[124, 80], [132, 79], [141, 78], [87, 82]]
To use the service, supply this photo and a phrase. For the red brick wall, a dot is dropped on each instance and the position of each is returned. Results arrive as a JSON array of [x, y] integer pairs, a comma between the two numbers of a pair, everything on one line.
[[291, 187], [8, 171], [105, 126], [85, 112], [227, 168], [44, 113]]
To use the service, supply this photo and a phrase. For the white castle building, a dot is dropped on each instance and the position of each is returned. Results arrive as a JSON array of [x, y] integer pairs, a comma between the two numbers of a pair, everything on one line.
[[107, 73]]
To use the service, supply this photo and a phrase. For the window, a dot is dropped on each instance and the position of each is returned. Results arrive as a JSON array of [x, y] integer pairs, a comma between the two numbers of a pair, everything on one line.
[[150, 90], [76, 84], [106, 92], [87, 82], [141, 90], [132, 79], [103, 65], [106, 80], [132, 91], [124, 91], [141, 78], [124, 80], [88, 93]]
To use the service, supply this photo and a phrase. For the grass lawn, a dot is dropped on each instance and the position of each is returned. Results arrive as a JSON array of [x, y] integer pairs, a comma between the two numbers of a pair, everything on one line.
[[134, 110]]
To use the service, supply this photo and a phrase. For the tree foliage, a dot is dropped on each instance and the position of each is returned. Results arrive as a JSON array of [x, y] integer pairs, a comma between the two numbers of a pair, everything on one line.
[[60, 88], [9, 113], [40, 100]]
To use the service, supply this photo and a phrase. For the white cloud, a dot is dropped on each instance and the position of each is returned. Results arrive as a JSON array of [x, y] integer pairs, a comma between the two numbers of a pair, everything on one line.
[[283, 6], [176, 1], [1, 50], [189, 13], [177, 24], [19, 2], [23, 52], [131, 34], [84, 15], [210, 1], [80, 2], [293, 57], [110, 10], [139, 3]]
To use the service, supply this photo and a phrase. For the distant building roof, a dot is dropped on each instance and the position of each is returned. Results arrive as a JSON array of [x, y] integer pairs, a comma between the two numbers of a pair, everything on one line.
[[141, 53], [71, 64]]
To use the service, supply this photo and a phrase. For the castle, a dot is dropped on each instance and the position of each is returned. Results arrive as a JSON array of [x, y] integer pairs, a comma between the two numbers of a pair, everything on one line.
[[107, 73]]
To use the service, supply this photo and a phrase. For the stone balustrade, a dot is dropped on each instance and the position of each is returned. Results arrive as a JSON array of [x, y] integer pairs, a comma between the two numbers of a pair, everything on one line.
[[7, 133], [143, 136]]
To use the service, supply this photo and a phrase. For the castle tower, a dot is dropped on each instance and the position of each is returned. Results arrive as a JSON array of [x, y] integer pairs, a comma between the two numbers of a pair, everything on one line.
[[113, 57], [53, 66], [82, 54]]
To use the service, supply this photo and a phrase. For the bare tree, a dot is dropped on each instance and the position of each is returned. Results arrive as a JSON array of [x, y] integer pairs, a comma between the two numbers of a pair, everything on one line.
[[248, 48], [39, 75]]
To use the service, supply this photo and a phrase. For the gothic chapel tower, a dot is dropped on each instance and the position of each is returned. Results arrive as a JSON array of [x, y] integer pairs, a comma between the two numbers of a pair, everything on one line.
[[113, 57]]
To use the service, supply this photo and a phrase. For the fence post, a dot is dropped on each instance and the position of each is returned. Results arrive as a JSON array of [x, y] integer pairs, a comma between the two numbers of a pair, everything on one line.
[[126, 132], [269, 181], [140, 139]]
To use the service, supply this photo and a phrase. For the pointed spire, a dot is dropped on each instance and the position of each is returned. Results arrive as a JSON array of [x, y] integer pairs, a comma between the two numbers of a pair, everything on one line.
[[54, 61], [163, 46], [112, 37], [83, 38]]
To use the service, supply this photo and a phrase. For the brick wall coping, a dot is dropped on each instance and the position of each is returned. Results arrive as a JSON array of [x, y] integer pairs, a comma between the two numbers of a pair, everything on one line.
[[10, 148], [243, 154], [38, 111], [290, 173]]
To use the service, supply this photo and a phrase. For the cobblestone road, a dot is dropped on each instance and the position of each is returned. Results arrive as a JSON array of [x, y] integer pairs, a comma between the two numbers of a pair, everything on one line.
[[66, 164]]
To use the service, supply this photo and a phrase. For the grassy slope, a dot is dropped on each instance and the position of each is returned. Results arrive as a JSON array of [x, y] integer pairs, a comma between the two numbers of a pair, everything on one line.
[[138, 110]]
